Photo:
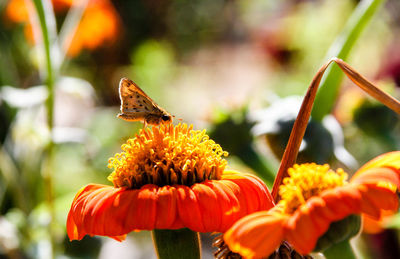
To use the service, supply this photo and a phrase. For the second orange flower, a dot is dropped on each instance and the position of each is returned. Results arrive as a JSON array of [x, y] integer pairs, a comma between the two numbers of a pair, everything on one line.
[[313, 197]]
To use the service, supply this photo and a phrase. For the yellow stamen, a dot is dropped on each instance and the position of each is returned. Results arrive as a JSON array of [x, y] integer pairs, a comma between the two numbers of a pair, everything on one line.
[[167, 155], [308, 180]]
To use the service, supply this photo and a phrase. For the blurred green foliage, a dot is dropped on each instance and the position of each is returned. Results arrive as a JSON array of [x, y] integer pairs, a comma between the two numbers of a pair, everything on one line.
[[235, 125], [200, 60]]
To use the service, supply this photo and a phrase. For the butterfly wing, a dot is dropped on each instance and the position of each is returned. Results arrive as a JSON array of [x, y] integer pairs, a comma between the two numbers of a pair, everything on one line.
[[136, 105]]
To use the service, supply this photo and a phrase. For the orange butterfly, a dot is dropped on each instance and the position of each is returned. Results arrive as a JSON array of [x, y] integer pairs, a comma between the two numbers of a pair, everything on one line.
[[136, 105]]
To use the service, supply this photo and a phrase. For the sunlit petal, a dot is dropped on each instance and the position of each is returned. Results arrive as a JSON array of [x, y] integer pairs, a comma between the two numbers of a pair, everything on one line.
[[256, 235], [318, 213], [391, 159]]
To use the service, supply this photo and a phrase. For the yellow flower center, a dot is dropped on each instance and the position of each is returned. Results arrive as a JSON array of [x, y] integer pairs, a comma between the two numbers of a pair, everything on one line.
[[167, 155], [307, 180]]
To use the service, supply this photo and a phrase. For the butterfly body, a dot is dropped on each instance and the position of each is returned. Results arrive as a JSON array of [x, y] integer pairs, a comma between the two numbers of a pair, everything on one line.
[[136, 105]]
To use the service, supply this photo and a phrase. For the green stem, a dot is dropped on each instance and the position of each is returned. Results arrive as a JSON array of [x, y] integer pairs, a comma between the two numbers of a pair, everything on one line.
[[341, 48], [47, 24], [342, 250], [49, 79], [176, 244]]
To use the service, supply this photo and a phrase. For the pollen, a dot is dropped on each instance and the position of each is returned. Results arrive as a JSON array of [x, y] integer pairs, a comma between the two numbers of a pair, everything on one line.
[[306, 181], [167, 155]]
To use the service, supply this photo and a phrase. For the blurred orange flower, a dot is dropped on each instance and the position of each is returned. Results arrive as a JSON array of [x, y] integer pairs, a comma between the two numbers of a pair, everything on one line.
[[313, 197], [62, 5], [99, 25], [17, 11], [169, 178]]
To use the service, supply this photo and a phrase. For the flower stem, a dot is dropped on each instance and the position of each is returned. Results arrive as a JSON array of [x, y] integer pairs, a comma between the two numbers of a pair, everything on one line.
[[300, 125], [342, 250], [176, 244], [341, 48], [299, 128], [47, 28]]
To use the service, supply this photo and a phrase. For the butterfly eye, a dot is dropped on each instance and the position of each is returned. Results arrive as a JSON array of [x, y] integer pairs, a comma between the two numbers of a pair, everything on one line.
[[166, 117]]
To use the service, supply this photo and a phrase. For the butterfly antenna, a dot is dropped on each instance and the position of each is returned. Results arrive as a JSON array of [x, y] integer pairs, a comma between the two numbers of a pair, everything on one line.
[[179, 119]]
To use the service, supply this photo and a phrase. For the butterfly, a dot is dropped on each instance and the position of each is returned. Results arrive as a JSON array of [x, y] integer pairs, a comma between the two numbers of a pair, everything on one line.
[[136, 105]]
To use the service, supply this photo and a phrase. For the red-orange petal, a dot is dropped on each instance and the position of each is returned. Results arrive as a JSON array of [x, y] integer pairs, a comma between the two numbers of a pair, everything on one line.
[[114, 212], [167, 203], [214, 205], [256, 235], [373, 226], [370, 193], [381, 172], [76, 225], [378, 175], [378, 187], [257, 195], [189, 209], [311, 220], [376, 198], [209, 203], [391, 159], [211, 206]]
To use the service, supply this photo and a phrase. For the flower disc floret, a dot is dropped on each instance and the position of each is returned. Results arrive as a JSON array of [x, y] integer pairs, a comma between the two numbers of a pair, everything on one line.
[[167, 155], [306, 181]]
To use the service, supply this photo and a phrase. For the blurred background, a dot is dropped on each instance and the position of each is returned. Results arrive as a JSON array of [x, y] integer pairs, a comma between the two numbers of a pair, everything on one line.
[[237, 68]]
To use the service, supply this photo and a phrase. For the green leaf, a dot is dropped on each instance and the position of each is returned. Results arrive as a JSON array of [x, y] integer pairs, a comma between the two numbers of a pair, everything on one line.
[[341, 48]]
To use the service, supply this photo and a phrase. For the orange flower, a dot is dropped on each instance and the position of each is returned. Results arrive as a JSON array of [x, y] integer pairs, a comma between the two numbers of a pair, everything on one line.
[[167, 178], [62, 5], [17, 11], [99, 25], [313, 197]]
